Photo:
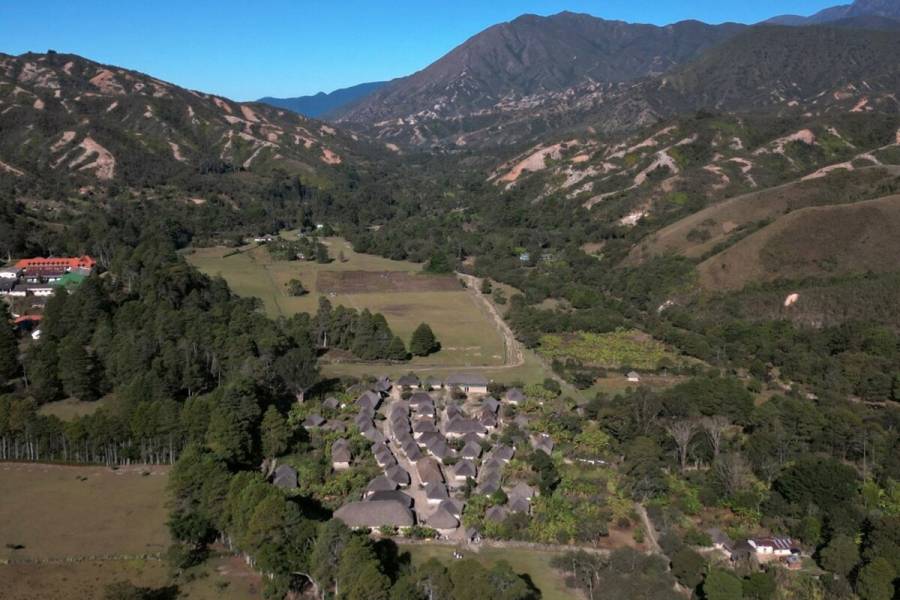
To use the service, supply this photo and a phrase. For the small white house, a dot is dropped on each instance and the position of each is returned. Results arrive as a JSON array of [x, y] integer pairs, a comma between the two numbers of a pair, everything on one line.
[[771, 546], [633, 377]]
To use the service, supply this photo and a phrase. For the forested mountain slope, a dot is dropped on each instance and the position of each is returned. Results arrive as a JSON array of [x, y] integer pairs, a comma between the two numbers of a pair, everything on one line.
[[514, 67]]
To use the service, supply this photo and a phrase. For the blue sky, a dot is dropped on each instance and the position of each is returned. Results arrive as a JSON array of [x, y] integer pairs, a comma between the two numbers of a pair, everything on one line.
[[245, 50]]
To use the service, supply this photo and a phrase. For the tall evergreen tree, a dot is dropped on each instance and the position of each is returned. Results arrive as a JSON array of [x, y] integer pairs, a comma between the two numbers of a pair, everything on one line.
[[77, 371], [9, 347], [232, 424], [274, 433], [397, 350], [423, 341]]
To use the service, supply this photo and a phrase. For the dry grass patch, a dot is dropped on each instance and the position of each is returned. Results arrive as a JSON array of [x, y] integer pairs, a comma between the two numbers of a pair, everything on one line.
[[57, 512], [812, 242], [699, 233], [362, 282]]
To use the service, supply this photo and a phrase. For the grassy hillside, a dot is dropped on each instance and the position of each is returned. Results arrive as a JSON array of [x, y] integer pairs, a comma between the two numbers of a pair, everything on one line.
[[812, 242], [724, 222]]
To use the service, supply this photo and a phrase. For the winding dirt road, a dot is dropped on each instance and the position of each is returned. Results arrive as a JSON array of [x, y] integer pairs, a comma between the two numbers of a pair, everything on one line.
[[513, 349]]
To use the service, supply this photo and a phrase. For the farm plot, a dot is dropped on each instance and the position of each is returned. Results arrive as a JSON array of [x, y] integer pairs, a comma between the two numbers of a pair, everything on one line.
[[397, 289]]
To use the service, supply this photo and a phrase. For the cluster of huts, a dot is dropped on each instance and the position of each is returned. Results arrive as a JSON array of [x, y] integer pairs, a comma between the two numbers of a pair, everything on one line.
[[430, 447]]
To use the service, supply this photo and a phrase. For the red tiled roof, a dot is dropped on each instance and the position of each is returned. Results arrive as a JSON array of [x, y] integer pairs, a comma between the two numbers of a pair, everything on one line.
[[80, 262], [25, 318]]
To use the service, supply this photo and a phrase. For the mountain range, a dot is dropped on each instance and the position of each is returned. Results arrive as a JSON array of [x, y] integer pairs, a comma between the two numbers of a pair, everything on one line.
[[859, 9], [518, 81], [70, 120], [322, 104]]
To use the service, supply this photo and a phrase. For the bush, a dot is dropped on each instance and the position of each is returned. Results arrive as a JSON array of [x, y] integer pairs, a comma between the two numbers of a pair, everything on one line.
[[418, 532]]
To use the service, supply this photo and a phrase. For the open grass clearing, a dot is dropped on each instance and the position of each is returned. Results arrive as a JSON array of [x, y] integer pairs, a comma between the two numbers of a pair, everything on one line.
[[534, 563], [221, 578], [70, 408], [533, 370], [398, 289], [77, 580], [58, 512]]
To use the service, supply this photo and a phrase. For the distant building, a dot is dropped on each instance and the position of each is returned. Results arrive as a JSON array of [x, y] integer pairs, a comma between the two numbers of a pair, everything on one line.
[[633, 377], [85, 263], [285, 477], [772, 546], [470, 384], [340, 455], [514, 396], [375, 514], [408, 381]]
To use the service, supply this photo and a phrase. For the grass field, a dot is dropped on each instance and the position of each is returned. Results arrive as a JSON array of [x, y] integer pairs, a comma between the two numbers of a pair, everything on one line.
[[218, 579], [534, 563], [92, 515], [58, 511], [533, 370], [398, 289], [69, 409]]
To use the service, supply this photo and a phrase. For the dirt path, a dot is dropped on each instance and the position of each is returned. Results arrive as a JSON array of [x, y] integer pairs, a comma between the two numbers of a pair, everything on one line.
[[514, 355], [652, 542]]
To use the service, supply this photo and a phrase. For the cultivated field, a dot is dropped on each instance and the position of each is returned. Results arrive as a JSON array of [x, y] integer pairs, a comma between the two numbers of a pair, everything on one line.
[[398, 289], [534, 563]]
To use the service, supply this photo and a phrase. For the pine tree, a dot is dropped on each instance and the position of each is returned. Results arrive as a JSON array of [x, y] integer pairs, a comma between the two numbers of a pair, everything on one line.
[[322, 254], [76, 369], [274, 433], [397, 350], [423, 341], [233, 422], [9, 348], [364, 344], [42, 372]]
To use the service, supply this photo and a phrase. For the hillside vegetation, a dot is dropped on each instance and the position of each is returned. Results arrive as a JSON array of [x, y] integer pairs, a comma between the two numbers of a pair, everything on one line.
[[812, 242], [704, 230]]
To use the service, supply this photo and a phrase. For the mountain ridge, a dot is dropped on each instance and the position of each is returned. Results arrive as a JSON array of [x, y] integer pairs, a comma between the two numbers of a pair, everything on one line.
[[859, 8], [501, 68], [65, 115], [323, 103]]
